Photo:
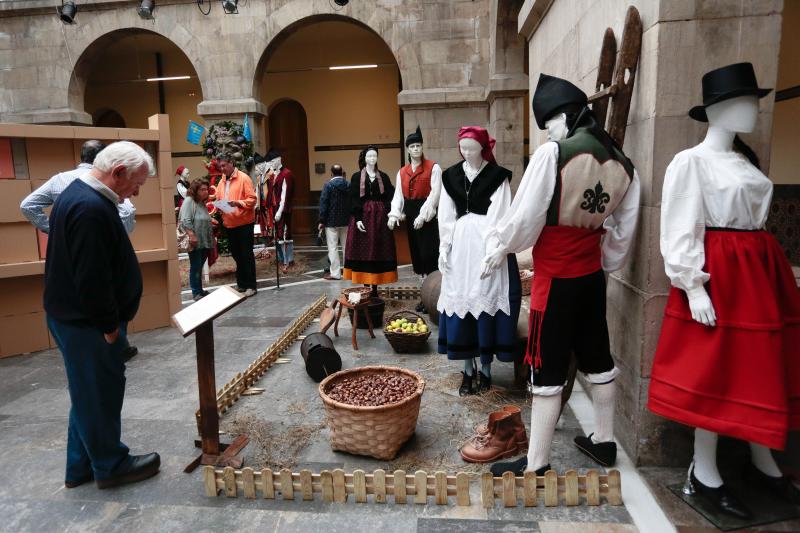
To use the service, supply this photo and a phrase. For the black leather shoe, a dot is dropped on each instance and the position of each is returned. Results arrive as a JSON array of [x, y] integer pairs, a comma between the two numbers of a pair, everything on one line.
[[719, 497], [129, 353], [139, 467], [605, 453], [77, 483], [466, 387], [517, 467], [781, 487], [484, 382]]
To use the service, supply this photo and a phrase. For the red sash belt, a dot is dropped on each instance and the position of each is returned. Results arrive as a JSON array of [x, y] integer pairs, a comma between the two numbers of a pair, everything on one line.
[[560, 252]]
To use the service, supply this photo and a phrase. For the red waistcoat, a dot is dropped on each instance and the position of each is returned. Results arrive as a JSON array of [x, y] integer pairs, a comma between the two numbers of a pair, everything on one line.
[[417, 184]]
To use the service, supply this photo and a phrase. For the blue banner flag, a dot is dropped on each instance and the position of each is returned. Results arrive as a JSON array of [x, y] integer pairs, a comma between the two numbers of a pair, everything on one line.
[[246, 130], [195, 132]]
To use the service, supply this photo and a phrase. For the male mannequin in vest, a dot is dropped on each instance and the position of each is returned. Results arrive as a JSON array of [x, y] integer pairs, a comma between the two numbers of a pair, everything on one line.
[[416, 198], [282, 192], [577, 204]]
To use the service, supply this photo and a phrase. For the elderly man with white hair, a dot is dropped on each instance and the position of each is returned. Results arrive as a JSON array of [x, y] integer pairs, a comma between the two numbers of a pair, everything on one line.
[[92, 290]]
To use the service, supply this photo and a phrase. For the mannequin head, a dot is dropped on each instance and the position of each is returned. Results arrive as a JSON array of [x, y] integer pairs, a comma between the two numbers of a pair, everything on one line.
[[276, 164], [735, 114], [415, 151], [371, 158], [471, 151], [557, 127]]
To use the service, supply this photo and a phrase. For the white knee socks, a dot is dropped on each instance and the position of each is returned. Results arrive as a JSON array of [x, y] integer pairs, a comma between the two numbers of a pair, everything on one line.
[[545, 411], [763, 460], [603, 403], [705, 458]]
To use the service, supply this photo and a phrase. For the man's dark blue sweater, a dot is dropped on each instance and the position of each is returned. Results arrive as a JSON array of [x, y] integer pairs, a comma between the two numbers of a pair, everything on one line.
[[91, 276]]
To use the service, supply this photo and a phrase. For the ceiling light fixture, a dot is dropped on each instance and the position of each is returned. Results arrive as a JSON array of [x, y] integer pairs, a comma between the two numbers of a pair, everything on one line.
[[169, 78], [341, 3], [68, 11], [230, 7], [146, 8], [349, 67]]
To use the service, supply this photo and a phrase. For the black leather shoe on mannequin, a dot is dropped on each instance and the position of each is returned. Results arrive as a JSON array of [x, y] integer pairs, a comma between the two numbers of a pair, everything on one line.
[[719, 497], [466, 387], [484, 382], [781, 487], [517, 467], [604, 453]]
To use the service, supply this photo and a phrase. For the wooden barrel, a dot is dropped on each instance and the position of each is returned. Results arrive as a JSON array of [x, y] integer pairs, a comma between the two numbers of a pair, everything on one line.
[[320, 356], [431, 288]]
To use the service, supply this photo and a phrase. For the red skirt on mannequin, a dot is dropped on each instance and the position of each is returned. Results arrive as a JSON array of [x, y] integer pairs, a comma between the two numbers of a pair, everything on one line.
[[740, 378]]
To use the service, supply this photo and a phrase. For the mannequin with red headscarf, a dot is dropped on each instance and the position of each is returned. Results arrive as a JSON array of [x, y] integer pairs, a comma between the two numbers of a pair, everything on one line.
[[477, 317]]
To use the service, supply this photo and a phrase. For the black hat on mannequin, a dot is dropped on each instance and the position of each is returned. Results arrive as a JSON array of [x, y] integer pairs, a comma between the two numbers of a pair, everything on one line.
[[272, 154], [258, 158], [725, 83], [552, 95], [414, 137]]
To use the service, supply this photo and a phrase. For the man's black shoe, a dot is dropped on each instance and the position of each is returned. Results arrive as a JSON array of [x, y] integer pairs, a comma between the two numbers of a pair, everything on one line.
[[129, 352], [719, 497], [466, 387], [77, 483], [517, 467], [604, 453], [139, 467], [781, 487]]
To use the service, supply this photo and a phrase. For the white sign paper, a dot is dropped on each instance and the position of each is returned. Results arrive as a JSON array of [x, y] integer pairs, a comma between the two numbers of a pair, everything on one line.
[[205, 309]]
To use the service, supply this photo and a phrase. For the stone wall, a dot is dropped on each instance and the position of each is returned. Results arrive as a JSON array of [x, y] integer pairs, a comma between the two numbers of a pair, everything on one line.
[[443, 50], [681, 41]]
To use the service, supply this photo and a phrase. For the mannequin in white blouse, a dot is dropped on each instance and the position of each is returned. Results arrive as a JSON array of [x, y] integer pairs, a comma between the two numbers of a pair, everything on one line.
[[724, 206]]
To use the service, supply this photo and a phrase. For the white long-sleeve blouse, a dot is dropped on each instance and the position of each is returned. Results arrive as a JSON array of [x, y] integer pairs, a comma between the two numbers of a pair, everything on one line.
[[706, 188]]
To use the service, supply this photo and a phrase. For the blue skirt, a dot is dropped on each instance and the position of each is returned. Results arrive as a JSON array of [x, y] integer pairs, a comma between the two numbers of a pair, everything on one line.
[[486, 336]]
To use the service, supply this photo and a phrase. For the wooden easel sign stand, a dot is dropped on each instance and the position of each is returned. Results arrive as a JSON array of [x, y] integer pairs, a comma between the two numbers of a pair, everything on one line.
[[198, 318]]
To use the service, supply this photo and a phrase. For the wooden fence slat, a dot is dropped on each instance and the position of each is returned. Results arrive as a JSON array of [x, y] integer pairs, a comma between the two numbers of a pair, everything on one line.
[[614, 496], [210, 480], [267, 484], [287, 488], [306, 487], [399, 484], [509, 490], [550, 488], [326, 480], [379, 486], [487, 490], [229, 477], [529, 489], [360, 486], [592, 487], [571, 496], [339, 493], [440, 488], [249, 483], [462, 489], [420, 487]]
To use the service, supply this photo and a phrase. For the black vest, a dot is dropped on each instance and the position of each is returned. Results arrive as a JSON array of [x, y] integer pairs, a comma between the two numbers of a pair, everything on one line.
[[481, 189]]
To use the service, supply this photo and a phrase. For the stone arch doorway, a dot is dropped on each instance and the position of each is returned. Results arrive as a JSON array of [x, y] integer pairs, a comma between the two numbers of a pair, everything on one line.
[[117, 78], [346, 109], [288, 134]]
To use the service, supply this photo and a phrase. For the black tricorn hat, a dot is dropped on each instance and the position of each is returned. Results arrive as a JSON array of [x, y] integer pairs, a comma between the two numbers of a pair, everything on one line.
[[272, 154], [725, 83], [414, 137], [553, 94]]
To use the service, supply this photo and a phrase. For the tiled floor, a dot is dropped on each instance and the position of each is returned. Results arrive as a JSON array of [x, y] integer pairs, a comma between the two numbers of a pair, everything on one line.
[[158, 414]]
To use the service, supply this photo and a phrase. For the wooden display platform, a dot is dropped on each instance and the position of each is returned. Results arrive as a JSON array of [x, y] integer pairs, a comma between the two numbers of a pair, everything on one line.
[[570, 489]]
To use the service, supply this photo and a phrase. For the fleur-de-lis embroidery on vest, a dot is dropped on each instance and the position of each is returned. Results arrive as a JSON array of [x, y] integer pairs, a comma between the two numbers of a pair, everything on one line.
[[595, 200]]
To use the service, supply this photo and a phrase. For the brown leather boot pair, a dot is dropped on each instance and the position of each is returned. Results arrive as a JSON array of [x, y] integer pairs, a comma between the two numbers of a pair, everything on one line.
[[503, 436]]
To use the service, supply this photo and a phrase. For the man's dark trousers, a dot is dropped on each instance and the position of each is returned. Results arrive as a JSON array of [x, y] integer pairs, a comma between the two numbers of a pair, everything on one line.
[[240, 240], [96, 376]]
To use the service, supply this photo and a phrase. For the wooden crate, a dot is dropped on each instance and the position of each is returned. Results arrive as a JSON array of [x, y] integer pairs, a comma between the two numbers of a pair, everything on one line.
[[336, 486]]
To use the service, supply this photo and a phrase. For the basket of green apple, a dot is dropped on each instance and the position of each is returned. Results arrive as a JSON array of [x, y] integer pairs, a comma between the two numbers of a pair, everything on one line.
[[407, 332]]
